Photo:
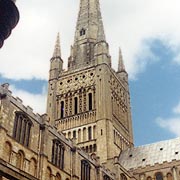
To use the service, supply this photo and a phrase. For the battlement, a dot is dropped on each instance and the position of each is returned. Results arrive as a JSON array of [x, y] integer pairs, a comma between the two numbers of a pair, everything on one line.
[[5, 93]]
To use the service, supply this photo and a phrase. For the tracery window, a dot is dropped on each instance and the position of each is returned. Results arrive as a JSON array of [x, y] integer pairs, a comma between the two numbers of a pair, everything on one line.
[[85, 170], [22, 128], [58, 154], [159, 176]]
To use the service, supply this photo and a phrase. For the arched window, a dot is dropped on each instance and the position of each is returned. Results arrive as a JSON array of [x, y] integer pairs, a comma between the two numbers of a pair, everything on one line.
[[20, 160], [48, 173], [84, 134], [7, 151], [159, 176], [22, 128], [169, 176], [79, 135], [75, 105], [62, 109], [58, 176], [85, 170], [74, 134], [58, 154], [123, 177], [89, 133], [33, 166], [94, 148], [90, 101], [106, 177]]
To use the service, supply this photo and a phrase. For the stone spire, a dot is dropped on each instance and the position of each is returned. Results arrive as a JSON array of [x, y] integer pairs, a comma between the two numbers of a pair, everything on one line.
[[89, 23], [121, 66], [89, 32], [57, 48]]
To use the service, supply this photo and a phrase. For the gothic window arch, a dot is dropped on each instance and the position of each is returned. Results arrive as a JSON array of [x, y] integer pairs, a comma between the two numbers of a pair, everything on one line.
[[123, 177], [58, 154], [22, 128], [106, 177], [85, 170], [158, 176]]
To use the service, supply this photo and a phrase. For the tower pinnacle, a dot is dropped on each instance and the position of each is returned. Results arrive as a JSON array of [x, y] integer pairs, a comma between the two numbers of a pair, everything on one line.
[[121, 66], [57, 48]]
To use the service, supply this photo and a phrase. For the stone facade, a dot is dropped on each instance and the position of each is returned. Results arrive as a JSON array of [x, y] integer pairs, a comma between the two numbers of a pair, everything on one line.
[[86, 133]]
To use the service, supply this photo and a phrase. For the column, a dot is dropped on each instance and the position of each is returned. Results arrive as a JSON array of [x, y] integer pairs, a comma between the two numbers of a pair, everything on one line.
[[174, 173]]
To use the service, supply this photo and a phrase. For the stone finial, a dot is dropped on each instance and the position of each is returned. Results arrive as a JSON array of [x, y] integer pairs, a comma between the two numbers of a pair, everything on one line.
[[57, 48], [121, 66]]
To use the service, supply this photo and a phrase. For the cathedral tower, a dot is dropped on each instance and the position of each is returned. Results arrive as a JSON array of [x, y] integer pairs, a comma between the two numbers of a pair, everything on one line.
[[90, 102]]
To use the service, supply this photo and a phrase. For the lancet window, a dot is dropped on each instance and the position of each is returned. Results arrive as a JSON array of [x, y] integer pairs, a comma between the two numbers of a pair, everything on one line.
[[22, 128], [85, 170], [90, 101], [62, 109], [75, 105], [58, 154]]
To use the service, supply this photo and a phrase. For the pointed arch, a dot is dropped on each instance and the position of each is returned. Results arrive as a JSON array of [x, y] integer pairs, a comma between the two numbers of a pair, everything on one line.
[[48, 173]]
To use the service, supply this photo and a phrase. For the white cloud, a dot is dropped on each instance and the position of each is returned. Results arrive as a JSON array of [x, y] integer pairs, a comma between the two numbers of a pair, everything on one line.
[[128, 23], [176, 109], [36, 101], [172, 124]]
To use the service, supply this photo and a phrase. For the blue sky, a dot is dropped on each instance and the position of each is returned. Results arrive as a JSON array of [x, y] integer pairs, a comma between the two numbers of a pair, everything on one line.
[[150, 43]]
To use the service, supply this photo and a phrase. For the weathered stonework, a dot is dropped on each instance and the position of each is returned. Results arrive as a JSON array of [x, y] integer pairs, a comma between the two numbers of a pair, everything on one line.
[[86, 133]]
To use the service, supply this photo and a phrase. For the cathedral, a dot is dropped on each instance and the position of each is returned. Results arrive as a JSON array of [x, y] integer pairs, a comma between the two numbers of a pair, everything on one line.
[[86, 133]]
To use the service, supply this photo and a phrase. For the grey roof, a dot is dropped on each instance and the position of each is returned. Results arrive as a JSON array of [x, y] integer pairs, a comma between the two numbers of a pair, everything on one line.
[[151, 154]]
